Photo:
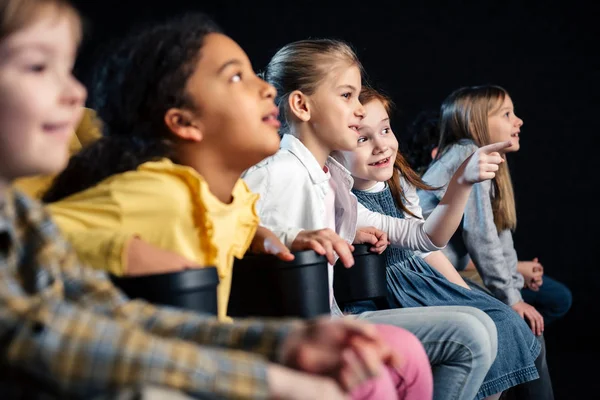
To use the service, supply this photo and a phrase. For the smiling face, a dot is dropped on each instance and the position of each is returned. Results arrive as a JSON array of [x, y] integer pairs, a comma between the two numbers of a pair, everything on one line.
[[336, 112], [504, 125], [40, 100], [373, 159], [234, 107]]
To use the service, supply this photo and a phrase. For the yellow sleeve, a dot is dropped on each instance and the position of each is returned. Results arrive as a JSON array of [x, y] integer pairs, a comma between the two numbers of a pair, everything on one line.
[[101, 221], [100, 247], [90, 221]]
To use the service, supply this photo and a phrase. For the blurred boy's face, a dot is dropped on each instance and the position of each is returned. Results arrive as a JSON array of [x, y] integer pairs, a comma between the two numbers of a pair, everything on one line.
[[40, 100]]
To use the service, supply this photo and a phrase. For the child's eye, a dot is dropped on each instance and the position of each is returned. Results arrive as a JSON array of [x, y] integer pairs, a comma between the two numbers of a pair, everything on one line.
[[362, 139], [385, 131], [237, 77], [36, 68], [347, 95], [507, 114]]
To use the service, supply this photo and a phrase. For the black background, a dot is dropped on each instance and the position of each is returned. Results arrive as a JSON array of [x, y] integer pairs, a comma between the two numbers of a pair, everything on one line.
[[544, 53]]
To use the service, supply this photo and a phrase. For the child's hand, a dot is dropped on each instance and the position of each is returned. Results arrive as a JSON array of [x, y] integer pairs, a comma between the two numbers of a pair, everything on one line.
[[326, 243], [144, 258], [532, 272], [265, 242], [483, 163], [374, 236], [530, 315], [348, 350]]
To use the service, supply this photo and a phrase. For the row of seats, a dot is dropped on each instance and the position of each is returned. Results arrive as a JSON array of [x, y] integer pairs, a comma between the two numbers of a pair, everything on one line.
[[264, 286]]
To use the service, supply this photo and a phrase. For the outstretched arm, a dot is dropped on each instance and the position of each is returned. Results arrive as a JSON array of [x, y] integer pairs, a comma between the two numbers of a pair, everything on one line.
[[480, 166]]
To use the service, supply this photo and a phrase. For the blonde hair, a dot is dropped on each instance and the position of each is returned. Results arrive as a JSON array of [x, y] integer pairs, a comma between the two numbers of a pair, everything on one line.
[[18, 14], [464, 115], [401, 166], [302, 66]]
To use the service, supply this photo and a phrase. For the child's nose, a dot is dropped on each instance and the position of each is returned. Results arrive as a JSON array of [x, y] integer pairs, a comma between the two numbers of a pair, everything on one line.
[[74, 93], [360, 111]]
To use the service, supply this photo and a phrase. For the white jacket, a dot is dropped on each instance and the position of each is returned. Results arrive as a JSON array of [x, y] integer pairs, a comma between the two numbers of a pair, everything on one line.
[[292, 187]]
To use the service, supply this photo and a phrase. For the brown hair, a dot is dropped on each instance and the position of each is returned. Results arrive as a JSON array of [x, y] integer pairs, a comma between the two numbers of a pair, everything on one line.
[[464, 115], [18, 14], [302, 66], [401, 166]]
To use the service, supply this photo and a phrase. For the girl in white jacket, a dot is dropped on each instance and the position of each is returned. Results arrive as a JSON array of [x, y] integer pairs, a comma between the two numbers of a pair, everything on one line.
[[306, 197]]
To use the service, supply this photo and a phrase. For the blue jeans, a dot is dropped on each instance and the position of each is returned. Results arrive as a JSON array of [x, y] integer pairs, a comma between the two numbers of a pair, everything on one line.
[[461, 343], [553, 300]]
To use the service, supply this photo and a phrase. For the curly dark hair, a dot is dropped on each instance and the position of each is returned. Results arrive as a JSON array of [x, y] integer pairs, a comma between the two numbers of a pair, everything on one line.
[[132, 89]]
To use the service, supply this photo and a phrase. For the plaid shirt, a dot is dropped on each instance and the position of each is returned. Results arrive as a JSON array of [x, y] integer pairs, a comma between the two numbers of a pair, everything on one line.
[[68, 327]]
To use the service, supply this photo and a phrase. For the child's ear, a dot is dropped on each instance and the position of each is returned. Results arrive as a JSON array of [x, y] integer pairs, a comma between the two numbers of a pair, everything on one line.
[[299, 105], [183, 124]]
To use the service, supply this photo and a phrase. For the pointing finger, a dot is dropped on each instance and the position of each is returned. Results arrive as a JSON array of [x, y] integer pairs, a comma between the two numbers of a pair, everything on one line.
[[490, 148]]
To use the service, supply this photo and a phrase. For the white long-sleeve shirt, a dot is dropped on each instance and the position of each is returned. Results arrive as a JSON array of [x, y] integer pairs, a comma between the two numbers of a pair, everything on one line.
[[292, 187]]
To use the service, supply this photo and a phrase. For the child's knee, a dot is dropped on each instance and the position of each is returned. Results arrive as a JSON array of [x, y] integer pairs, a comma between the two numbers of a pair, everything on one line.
[[566, 300], [482, 332]]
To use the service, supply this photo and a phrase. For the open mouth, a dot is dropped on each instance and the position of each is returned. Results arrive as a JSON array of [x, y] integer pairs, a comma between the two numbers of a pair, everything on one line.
[[354, 127], [516, 134], [381, 163], [271, 119]]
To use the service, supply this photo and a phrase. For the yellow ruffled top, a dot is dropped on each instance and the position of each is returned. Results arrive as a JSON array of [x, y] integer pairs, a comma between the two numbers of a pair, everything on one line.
[[167, 205]]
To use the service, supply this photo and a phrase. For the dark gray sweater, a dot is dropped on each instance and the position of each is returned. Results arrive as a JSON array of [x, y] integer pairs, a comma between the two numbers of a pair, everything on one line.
[[493, 253]]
